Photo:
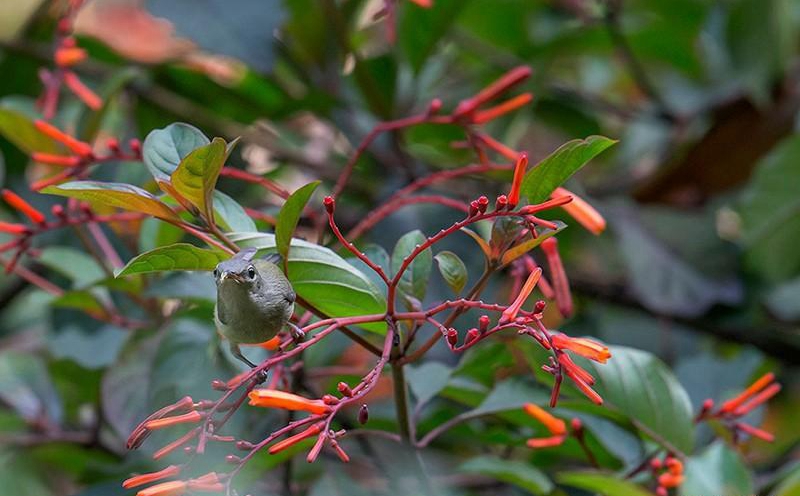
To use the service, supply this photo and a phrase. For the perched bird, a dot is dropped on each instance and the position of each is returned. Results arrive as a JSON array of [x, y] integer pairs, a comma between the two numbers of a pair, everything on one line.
[[254, 301]]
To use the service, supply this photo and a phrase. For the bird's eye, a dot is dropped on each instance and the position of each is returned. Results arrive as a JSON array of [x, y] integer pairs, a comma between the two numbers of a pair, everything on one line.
[[251, 272], [216, 273]]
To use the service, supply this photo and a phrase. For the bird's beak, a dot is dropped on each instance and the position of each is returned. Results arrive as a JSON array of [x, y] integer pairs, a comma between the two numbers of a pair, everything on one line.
[[230, 275]]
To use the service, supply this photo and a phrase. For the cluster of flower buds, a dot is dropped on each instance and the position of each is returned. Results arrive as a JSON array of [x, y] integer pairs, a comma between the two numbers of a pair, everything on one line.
[[187, 412], [667, 472], [80, 154], [732, 410]]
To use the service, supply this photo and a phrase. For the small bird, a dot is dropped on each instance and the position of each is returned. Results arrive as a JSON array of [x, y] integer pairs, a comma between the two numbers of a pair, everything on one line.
[[254, 301]]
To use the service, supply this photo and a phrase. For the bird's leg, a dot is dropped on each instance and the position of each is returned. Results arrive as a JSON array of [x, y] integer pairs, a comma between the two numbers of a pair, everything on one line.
[[297, 334], [237, 352]]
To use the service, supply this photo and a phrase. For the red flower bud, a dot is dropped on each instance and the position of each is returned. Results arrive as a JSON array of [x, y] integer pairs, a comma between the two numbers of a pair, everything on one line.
[[244, 445], [655, 464], [483, 323], [218, 385], [345, 389], [10, 228], [232, 459], [472, 336], [329, 399], [576, 425], [363, 414], [539, 306], [330, 204], [501, 203], [435, 106], [452, 336], [516, 182], [136, 146], [473, 208], [483, 203]]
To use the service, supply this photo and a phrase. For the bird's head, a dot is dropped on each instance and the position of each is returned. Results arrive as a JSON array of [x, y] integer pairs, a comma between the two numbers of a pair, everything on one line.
[[238, 271]]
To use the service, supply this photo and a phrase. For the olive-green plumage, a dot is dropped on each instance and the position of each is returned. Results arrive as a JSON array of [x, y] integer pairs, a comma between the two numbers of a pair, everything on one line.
[[254, 300]]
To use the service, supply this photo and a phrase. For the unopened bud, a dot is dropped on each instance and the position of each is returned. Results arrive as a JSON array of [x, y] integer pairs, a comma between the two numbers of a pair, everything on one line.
[[232, 459], [188, 450], [345, 389], [244, 445], [435, 106], [58, 211], [363, 414], [483, 323], [655, 464], [472, 336], [483, 204], [661, 491], [473, 208], [538, 307], [501, 203], [576, 425], [113, 145], [452, 336], [330, 204], [218, 385], [329, 399], [135, 145]]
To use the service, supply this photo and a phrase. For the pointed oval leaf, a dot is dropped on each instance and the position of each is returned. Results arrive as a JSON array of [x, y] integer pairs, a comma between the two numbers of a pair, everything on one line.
[[231, 215], [414, 281], [163, 149], [482, 244], [517, 251], [324, 279], [555, 169], [453, 270], [180, 256], [640, 386], [196, 175], [290, 214], [718, 470], [602, 483], [120, 195], [518, 473]]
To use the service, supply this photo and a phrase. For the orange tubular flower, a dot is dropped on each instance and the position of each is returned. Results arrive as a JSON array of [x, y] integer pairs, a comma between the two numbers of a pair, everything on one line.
[[583, 347], [755, 432], [555, 425], [162, 423], [173, 488], [545, 442], [581, 211], [498, 147], [272, 398], [60, 160], [82, 91], [207, 483], [10, 228], [291, 441], [558, 275], [669, 480], [511, 312], [758, 400], [20, 205], [733, 403], [78, 147], [567, 363], [138, 480], [69, 56], [516, 183], [580, 377], [506, 81], [509, 105]]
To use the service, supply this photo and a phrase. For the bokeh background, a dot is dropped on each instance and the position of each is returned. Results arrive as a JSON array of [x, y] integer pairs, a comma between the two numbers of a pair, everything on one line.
[[700, 264]]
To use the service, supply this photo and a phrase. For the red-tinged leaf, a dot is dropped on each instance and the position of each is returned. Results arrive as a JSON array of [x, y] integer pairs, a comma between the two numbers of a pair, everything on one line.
[[120, 195]]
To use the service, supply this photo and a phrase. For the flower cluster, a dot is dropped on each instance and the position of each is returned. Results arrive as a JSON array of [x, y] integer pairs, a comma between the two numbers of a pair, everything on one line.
[[668, 473], [731, 411]]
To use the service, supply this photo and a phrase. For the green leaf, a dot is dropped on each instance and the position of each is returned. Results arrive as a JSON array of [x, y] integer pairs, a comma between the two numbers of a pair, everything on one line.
[[427, 380], [163, 149], [324, 279], [453, 270], [784, 301], [640, 386], [231, 215], [554, 170], [601, 483], [91, 349], [25, 385], [289, 215], [414, 281], [196, 175], [517, 251], [419, 29], [120, 195], [770, 212], [80, 268], [719, 471], [514, 472], [180, 256], [510, 394], [16, 125]]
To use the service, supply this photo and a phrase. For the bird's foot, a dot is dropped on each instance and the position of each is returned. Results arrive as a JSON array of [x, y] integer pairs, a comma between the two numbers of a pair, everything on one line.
[[297, 334]]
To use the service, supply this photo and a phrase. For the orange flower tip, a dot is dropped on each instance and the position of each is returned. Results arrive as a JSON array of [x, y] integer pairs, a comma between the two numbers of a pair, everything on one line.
[[19, 204], [756, 432], [761, 383], [670, 481], [10, 228], [291, 441], [138, 480], [490, 114], [758, 399], [83, 92], [555, 425], [582, 211], [60, 160], [425, 4], [272, 398], [172, 488], [584, 347], [76, 146], [546, 442], [162, 423], [69, 55]]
